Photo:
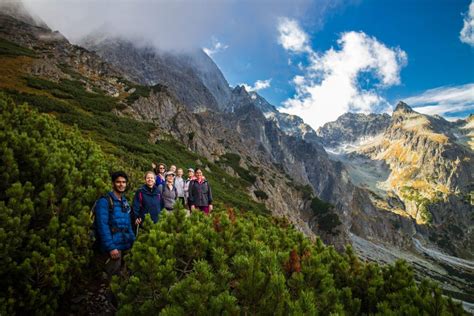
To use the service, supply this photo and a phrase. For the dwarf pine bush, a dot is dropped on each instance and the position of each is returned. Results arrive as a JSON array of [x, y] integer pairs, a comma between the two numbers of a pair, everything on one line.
[[49, 179], [246, 264]]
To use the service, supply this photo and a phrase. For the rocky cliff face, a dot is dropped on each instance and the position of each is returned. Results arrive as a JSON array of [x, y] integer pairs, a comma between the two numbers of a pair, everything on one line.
[[428, 173], [58, 58], [351, 127], [177, 70]]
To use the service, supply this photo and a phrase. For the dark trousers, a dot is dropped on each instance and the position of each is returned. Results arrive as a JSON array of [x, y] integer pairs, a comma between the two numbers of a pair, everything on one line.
[[110, 266]]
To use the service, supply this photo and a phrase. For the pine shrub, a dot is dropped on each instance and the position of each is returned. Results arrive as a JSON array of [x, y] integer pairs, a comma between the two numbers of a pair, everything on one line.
[[246, 264], [49, 179]]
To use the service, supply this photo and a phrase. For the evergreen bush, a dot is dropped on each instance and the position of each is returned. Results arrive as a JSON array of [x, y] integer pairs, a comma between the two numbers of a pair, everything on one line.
[[245, 264], [49, 179]]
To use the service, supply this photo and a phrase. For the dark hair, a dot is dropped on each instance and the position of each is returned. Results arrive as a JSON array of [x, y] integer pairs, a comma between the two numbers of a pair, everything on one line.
[[197, 169], [117, 174]]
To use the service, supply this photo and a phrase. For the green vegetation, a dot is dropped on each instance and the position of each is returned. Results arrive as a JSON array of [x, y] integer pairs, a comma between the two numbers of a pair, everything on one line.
[[10, 49], [75, 90], [326, 217], [261, 195], [306, 190], [136, 91], [127, 139], [232, 262], [244, 264], [233, 160], [50, 177], [422, 203]]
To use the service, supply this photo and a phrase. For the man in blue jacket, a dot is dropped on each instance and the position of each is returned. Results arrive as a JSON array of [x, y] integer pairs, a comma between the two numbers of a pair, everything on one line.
[[113, 224]]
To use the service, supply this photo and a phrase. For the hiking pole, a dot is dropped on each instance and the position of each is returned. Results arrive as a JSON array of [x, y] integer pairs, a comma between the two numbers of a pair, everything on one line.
[[138, 226]]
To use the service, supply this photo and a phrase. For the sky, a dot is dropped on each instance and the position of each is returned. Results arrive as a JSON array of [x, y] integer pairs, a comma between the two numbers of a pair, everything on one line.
[[314, 58]]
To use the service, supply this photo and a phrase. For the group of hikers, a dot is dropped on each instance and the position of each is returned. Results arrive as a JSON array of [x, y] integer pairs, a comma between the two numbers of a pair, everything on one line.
[[116, 222]]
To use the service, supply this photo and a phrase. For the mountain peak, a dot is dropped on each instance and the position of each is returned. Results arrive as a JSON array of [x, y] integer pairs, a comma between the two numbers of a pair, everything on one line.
[[18, 11], [402, 107]]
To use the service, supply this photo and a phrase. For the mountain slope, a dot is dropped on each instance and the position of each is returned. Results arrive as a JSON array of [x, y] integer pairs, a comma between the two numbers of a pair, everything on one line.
[[428, 170], [350, 127], [80, 89], [177, 70], [252, 153], [297, 150]]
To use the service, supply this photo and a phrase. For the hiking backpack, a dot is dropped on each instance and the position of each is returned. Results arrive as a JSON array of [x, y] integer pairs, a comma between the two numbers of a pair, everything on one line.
[[93, 214]]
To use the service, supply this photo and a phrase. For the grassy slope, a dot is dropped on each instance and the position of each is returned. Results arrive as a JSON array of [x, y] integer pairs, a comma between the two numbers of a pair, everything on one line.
[[124, 138]]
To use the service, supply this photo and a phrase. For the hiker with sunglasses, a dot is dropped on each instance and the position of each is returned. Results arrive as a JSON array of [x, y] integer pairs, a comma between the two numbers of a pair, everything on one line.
[[160, 170]]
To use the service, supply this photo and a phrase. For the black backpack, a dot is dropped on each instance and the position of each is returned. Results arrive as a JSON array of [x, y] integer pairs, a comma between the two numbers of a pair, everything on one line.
[[94, 236]]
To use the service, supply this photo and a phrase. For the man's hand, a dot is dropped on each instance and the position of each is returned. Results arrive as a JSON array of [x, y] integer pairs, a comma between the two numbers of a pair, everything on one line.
[[138, 221], [115, 254], [210, 207], [193, 207]]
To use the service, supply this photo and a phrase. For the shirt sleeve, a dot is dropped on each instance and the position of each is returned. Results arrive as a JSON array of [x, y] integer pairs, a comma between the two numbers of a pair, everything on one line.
[[209, 193], [137, 211]]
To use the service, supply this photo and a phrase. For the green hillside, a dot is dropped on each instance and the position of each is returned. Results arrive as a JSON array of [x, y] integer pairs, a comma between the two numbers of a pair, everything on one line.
[[237, 261], [121, 137]]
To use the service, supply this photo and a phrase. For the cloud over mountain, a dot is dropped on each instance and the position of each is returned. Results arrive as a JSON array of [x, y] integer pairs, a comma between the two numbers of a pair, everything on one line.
[[259, 85], [450, 101], [347, 78]]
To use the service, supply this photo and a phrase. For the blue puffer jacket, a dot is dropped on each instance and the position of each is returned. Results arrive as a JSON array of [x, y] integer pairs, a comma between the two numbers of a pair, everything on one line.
[[114, 229], [147, 201]]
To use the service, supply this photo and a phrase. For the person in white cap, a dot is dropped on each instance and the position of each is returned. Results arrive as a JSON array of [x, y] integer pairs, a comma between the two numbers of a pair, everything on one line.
[[168, 191]]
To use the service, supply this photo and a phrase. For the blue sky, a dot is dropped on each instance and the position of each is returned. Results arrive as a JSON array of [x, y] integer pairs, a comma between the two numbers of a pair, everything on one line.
[[313, 58], [427, 31]]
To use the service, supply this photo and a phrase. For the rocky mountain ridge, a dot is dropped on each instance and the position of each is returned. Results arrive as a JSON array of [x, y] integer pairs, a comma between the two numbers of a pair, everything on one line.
[[284, 158], [351, 127], [177, 70], [429, 171], [286, 141]]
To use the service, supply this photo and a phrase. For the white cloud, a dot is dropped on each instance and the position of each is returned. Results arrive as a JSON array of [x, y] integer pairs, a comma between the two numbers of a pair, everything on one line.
[[444, 100], [467, 32], [217, 47], [174, 25], [329, 86], [292, 37], [259, 85]]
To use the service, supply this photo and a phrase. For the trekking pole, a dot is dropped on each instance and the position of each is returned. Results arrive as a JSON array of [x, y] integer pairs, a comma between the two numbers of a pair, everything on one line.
[[138, 226]]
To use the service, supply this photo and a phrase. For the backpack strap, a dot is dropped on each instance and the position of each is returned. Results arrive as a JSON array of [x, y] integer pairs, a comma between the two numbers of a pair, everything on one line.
[[111, 203], [140, 198]]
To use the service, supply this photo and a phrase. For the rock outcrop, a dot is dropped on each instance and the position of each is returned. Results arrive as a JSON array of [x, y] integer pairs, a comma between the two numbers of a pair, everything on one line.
[[430, 173], [351, 127]]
